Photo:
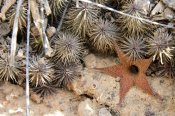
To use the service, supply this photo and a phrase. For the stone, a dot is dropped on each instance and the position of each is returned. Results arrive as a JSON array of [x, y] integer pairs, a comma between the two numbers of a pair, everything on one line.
[[104, 112], [105, 90], [36, 98], [50, 31], [86, 108], [13, 91]]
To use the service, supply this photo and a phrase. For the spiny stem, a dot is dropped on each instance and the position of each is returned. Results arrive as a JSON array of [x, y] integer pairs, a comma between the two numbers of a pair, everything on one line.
[[14, 33]]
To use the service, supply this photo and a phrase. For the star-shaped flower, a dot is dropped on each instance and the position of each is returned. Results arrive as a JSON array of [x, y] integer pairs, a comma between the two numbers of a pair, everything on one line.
[[132, 73]]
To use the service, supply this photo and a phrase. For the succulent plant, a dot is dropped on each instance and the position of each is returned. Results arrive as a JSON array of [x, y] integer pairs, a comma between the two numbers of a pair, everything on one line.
[[9, 72], [44, 90], [79, 19], [134, 47], [66, 73], [101, 1], [68, 48], [132, 26], [22, 15], [102, 35], [160, 45], [56, 6], [41, 71]]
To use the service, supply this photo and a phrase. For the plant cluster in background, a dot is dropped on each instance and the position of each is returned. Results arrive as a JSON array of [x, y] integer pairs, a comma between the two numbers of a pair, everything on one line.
[[56, 55]]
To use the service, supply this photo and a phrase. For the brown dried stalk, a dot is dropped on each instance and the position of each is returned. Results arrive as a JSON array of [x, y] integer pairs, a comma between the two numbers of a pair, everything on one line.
[[4, 9], [39, 23], [47, 7], [14, 33]]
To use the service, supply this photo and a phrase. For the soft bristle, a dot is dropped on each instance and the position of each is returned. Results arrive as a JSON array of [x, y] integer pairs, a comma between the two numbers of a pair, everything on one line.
[[22, 15], [160, 45], [68, 48], [134, 47], [9, 72], [132, 26], [79, 19], [101, 1], [44, 90], [102, 35], [41, 71], [56, 6], [66, 73]]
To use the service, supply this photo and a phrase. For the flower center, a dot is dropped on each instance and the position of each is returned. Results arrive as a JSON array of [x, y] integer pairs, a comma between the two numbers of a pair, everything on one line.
[[133, 69]]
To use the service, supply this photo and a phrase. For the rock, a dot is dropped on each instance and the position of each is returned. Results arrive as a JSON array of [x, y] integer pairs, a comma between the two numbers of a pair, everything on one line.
[[50, 31], [170, 3], [90, 61], [104, 112], [12, 91], [105, 90], [86, 108], [36, 98], [101, 87], [63, 103]]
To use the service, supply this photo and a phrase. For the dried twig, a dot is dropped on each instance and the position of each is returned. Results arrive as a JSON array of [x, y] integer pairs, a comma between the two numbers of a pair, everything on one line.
[[14, 33], [27, 60], [63, 15], [46, 45], [4, 9], [47, 7], [39, 23], [125, 14]]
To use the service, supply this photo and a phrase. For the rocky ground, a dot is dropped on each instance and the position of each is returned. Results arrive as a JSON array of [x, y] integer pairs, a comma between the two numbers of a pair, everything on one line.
[[95, 94]]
